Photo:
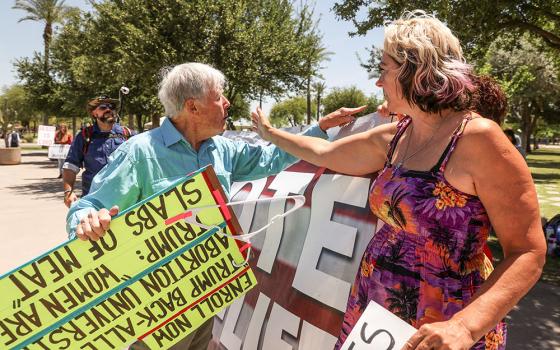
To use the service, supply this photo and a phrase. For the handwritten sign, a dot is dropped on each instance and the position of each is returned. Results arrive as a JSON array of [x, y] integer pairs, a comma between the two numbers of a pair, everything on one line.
[[153, 277], [58, 151], [379, 329], [45, 135]]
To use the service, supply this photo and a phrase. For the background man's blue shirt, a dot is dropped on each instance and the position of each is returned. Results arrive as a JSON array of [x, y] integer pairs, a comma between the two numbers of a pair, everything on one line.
[[152, 161], [102, 144]]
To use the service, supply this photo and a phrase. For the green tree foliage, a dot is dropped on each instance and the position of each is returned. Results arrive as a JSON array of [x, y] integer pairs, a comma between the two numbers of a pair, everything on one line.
[[258, 45], [48, 11], [530, 76], [343, 97], [15, 106], [477, 23], [290, 112]]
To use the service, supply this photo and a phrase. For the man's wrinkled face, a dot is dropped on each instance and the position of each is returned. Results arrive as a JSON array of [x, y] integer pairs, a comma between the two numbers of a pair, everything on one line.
[[104, 113], [213, 111]]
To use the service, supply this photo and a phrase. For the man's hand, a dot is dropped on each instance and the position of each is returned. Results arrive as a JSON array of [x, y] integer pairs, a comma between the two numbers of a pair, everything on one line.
[[383, 110], [95, 224], [69, 198], [340, 117]]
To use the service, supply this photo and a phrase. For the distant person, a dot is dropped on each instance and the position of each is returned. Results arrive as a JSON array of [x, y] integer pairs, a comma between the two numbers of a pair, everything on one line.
[[13, 139], [93, 145], [62, 137]]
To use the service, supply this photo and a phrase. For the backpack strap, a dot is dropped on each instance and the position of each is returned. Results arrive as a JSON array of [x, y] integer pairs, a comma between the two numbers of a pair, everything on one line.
[[87, 135], [126, 132]]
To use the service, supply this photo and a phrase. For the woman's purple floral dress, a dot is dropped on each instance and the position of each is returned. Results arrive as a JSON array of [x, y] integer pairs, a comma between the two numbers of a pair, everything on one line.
[[427, 261]]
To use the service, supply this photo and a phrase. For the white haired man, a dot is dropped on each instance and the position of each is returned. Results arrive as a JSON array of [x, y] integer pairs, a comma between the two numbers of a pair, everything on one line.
[[192, 94]]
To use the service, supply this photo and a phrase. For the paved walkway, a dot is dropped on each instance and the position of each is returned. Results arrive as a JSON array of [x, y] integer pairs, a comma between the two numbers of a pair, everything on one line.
[[32, 221]]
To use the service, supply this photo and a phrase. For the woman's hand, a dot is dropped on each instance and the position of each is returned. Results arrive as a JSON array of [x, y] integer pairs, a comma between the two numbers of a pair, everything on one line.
[[261, 124], [448, 335]]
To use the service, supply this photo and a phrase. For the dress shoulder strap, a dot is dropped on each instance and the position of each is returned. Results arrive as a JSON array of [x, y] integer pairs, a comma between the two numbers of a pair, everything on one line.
[[401, 128], [451, 147]]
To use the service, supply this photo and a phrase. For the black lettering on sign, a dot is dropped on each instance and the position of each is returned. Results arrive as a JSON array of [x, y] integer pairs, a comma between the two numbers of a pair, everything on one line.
[[172, 330], [24, 322], [175, 191], [161, 210], [194, 195], [159, 279], [146, 315], [168, 304], [107, 243], [7, 331], [128, 217], [213, 275], [107, 343], [369, 340], [119, 329], [67, 334], [59, 264]]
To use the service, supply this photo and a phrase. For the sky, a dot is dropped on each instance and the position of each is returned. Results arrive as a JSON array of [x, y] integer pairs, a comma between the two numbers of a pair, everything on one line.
[[19, 40]]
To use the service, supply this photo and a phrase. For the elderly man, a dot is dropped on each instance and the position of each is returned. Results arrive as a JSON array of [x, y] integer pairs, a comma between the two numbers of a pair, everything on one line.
[[186, 141]]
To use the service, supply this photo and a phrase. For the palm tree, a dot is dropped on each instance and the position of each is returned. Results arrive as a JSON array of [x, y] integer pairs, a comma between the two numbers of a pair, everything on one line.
[[48, 11]]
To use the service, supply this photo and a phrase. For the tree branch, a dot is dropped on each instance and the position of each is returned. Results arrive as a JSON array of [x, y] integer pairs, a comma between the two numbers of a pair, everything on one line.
[[551, 39]]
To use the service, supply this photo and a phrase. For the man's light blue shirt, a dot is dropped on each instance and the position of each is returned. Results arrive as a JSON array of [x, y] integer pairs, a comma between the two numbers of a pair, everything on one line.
[[152, 161]]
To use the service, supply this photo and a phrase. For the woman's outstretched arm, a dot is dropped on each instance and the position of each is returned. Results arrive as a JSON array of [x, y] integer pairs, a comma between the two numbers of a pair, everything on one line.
[[357, 154]]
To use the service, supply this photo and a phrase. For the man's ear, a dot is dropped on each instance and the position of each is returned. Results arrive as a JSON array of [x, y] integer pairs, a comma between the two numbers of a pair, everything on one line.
[[190, 105]]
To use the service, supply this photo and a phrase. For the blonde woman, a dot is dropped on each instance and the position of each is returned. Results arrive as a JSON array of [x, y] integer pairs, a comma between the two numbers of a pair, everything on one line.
[[446, 176]]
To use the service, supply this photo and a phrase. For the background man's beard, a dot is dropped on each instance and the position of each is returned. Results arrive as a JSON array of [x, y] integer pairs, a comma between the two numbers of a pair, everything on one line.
[[107, 118]]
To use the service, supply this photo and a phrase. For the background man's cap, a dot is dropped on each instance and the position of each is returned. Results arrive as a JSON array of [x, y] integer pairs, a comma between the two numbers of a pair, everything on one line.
[[93, 103]]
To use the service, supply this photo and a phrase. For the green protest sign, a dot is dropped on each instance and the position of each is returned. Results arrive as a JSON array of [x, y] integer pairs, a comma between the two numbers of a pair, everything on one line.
[[163, 269]]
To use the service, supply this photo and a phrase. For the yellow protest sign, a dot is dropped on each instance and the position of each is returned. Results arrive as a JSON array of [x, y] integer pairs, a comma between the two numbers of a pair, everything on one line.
[[154, 276]]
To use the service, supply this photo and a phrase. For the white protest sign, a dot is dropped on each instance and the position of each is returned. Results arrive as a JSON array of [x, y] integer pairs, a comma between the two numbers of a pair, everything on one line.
[[58, 151], [46, 135], [379, 329]]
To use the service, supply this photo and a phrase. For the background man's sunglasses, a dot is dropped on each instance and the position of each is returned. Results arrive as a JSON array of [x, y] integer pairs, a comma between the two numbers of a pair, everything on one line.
[[106, 106]]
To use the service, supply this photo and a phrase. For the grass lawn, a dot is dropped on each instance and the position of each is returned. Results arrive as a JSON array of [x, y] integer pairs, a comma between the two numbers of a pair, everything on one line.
[[545, 168]]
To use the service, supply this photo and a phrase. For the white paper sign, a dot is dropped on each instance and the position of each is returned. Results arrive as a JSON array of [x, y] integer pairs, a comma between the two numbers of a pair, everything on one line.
[[378, 329], [46, 135], [58, 151]]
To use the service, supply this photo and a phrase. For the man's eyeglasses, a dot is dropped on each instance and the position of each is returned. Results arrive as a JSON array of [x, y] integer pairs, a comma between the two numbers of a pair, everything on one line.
[[106, 106]]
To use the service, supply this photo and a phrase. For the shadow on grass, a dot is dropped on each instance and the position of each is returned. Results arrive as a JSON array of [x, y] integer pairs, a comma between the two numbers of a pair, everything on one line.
[[546, 177]]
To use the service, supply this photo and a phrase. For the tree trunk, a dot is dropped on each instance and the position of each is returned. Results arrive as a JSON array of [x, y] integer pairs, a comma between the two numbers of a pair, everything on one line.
[[47, 34], [73, 125], [155, 121], [139, 122], [318, 105], [308, 100], [45, 119]]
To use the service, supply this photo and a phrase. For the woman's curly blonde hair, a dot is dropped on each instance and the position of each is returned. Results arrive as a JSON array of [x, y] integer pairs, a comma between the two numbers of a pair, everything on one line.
[[433, 73]]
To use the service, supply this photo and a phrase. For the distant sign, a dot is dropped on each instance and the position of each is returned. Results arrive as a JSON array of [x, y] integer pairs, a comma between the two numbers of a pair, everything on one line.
[[58, 151], [378, 329], [46, 135], [155, 276]]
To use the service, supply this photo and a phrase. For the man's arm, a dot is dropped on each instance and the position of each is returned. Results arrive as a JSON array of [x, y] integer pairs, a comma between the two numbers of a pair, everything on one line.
[[70, 169], [116, 185], [68, 180]]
